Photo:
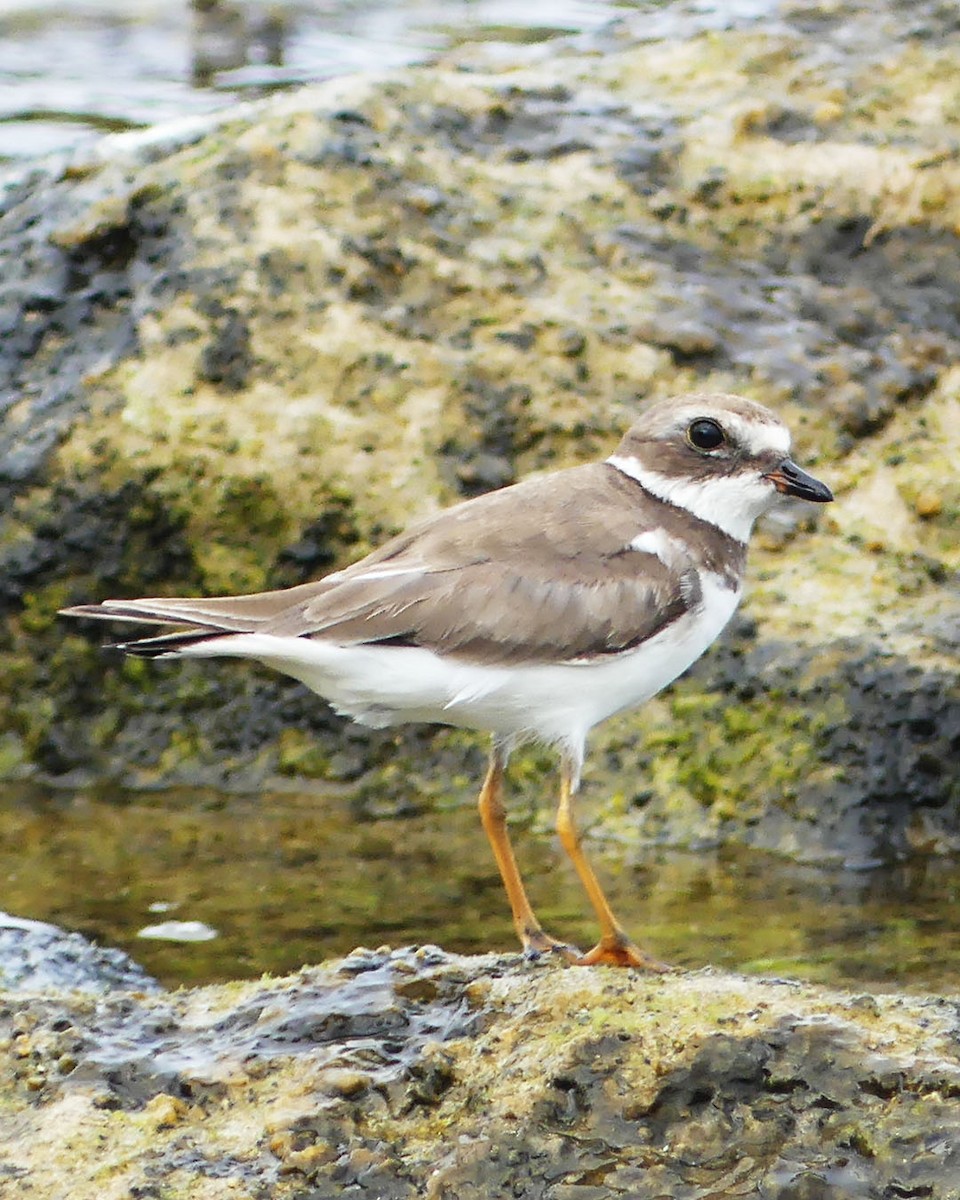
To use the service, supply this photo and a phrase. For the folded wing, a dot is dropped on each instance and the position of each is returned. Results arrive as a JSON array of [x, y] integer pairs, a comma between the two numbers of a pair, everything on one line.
[[556, 583]]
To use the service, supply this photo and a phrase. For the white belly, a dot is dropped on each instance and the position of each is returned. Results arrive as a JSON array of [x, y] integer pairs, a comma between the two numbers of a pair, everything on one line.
[[386, 685]]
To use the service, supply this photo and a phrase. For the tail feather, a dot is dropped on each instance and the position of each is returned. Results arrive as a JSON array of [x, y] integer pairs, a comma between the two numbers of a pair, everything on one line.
[[201, 624], [165, 645], [161, 612], [223, 614]]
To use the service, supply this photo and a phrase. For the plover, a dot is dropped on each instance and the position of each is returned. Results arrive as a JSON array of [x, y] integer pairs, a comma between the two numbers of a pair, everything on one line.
[[532, 613]]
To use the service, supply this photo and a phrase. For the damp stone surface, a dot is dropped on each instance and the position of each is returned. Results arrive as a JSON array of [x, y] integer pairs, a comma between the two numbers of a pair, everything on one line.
[[416, 1073]]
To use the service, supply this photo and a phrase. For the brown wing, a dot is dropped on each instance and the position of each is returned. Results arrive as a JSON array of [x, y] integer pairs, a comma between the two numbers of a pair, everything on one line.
[[492, 614], [537, 572]]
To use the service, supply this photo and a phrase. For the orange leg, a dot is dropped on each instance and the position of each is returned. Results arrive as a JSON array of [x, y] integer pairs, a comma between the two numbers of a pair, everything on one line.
[[614, 947], [493, 816]]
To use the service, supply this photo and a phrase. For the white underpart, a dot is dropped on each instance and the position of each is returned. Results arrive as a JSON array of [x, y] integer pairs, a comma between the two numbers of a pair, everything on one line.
[[671, 553], [558, 703], [732, 502]]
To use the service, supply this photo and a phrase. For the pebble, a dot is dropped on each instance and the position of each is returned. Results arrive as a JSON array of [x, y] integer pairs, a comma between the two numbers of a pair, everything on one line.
[[928, 504]]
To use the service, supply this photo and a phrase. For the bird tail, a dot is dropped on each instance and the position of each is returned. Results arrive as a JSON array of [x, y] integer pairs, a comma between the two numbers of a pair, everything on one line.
[[204, 620], [167, 645]]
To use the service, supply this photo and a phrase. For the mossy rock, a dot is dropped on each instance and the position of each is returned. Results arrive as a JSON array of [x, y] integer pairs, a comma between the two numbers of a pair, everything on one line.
[[481, 1076]]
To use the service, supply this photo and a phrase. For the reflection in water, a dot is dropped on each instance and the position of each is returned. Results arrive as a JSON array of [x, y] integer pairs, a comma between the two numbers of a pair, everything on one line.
[[293, 879], [227, 36], [70, 73]]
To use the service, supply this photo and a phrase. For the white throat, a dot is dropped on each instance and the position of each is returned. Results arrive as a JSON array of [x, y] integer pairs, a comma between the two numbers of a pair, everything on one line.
[[732, 503]]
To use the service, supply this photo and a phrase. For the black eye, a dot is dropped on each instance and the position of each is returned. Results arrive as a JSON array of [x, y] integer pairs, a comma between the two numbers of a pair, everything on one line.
[[705, 434]]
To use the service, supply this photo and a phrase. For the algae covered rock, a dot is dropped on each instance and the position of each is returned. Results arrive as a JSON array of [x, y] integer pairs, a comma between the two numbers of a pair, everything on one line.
[[237, 358], [412, 1073]]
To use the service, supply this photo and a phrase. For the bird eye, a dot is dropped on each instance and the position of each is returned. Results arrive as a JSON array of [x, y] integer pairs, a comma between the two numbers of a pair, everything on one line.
[[705, 434]]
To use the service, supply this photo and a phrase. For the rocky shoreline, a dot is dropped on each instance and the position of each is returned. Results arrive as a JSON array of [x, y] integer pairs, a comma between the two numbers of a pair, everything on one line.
[[242, 354], [412, 1073]]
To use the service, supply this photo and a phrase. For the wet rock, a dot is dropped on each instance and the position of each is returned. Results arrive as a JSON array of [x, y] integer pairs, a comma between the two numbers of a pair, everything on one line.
[[37, 957], [769, 740], [413, 1072]]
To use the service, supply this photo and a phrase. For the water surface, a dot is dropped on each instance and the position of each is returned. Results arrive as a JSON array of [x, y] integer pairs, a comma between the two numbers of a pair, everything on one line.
[[291, 879], [70, 72]]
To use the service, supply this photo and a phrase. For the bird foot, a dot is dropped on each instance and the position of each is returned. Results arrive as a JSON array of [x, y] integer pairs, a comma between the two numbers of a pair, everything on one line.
[[618, 951], [538, 945]]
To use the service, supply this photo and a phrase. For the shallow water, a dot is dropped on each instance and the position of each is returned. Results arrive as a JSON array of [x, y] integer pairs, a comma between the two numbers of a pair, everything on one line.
[[291, 879], [70, 72]]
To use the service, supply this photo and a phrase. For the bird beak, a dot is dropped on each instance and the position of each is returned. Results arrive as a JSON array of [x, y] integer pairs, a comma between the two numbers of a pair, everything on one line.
[[789, 479]]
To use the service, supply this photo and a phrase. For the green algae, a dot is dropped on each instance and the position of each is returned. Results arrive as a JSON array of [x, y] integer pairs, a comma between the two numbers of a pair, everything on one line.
[[696, 762], [299, 755], [583, 1074], [477, 1075]]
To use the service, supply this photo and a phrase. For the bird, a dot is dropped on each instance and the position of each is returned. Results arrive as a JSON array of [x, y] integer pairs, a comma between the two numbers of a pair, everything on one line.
[[531, 613]]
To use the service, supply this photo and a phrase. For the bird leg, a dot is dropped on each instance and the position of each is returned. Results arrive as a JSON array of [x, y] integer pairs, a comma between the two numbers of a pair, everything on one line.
[[615, 946], [493, 815]]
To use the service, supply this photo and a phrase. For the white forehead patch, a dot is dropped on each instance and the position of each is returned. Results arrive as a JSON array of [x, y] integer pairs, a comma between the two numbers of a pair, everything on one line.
[[758, 437]]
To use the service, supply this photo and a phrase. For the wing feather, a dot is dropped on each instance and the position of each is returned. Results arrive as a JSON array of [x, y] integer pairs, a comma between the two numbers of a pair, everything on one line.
[[539, 572]]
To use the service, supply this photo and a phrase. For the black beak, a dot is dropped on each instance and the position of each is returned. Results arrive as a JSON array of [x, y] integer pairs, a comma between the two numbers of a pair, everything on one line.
[[789, 479]]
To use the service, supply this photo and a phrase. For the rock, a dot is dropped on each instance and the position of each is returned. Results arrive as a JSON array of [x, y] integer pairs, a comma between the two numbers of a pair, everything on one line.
[[37, 957], [236, 357], [928, 504], [412, 1072]]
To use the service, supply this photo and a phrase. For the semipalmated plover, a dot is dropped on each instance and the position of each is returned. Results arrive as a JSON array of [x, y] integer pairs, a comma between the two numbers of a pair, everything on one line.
[[533, 612]]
